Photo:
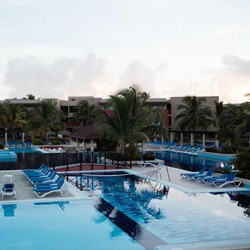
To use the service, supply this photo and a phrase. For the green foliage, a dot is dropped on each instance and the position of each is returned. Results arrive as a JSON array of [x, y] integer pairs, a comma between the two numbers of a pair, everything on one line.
[[148, 156], [128, 117], [57, 141], [212, 150], [224, 150], [38, 141], [132, 152], [84, 113], [1, 146], [242, 163], [195, 114]]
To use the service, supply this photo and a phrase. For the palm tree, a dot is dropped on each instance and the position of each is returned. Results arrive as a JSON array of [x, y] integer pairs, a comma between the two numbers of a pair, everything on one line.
[[156, 125], [219, 111], [46, 117], [85, 113], [127, 119], [194, 114], [13, 116]]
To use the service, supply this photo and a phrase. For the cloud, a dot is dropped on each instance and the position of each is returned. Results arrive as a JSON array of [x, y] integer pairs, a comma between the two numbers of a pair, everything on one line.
[[64, 77], [144, 76], [95, 76], [237, 65], [232, 81]]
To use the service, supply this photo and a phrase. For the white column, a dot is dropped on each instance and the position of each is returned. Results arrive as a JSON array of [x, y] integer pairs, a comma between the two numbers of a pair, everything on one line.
[[171, 137], [217, 143], [204, 140], [192, 139], [23, 136], [6, 138], [181, 139], [91, 145]]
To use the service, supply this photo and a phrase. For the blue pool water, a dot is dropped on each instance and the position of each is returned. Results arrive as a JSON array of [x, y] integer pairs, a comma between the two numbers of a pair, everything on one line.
[[25, 150], [189, 161], [124, 212], [67, 225], [176, 217]]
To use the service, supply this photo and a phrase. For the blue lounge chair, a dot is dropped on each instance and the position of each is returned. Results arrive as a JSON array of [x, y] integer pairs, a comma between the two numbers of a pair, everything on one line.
[[41, 168], [52, 174], [199, 177], [189, 175], [229, 180], [44, 189], [36, 172], [209, 179]]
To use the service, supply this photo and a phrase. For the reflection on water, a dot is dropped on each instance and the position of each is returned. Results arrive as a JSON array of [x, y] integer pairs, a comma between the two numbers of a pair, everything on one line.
[[131, 195], [9, 210]]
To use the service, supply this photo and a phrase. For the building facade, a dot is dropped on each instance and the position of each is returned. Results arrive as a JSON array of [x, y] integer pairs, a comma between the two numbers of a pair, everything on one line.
[[169, 108]]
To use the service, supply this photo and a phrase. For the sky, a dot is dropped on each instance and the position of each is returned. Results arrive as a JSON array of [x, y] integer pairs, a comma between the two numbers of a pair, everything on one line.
[[61, 48]]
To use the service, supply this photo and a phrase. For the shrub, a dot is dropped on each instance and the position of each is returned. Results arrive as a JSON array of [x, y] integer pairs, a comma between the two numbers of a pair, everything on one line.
[[212, 150], [242, 163], [56, 142], [132, 152], [148, 156], [37, 141]]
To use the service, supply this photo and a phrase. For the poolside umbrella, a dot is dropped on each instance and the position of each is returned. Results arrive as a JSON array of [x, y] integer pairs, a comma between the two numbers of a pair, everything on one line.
[[65, 133]]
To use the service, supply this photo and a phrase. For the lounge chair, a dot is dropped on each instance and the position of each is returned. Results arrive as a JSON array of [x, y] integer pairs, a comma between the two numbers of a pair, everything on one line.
[[51, 175], [229, 180], [189, 175], [209, 179], [149, 164], [199, 177], [41, 172], [8, 190], [44, 189], [41, 168]]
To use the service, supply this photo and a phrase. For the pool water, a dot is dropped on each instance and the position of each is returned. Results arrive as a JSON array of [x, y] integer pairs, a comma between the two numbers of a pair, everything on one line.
[[60, 225], [176, 217], [125, 212]]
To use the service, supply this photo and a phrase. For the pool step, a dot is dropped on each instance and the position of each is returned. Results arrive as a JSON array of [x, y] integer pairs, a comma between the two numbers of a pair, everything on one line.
[[144, 237]]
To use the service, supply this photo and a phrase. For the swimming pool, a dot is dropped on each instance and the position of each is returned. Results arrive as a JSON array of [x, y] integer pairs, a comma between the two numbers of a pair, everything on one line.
[[67, 225], [124, 212], [176, 217]]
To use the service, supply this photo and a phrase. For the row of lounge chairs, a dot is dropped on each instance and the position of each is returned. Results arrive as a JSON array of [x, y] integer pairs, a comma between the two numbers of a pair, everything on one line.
[[46, 181], [207, 176]]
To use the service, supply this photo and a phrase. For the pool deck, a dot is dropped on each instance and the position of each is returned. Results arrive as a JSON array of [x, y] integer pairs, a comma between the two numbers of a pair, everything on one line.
[[171, 176], [166, 175]]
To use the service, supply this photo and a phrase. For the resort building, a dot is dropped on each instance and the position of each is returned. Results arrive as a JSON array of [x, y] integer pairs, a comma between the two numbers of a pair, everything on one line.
[[169, 108]]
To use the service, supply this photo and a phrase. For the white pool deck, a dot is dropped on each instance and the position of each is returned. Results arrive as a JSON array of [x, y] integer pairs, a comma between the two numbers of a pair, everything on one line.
[[168, 176]]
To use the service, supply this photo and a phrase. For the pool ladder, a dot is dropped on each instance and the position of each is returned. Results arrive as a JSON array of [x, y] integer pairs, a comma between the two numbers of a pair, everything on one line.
[[156, 174]]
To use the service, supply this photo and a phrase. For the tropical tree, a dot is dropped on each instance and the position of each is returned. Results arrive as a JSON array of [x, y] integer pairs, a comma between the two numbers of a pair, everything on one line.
[[13, 116], [30, 97], [156, 125], [46, 117], [219, 111], [194, 114], [84, 113], [128, 117]]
